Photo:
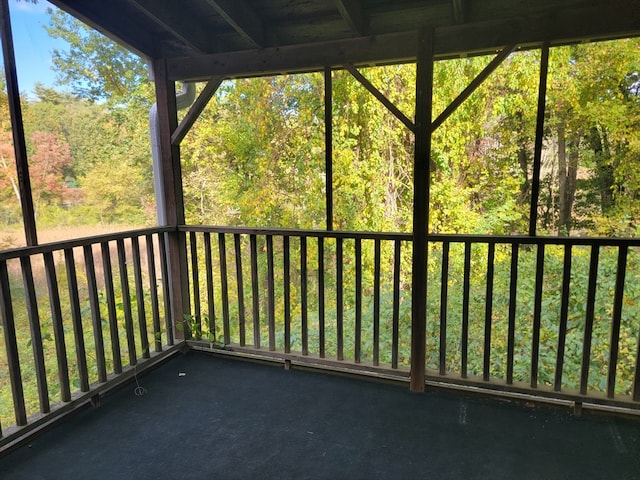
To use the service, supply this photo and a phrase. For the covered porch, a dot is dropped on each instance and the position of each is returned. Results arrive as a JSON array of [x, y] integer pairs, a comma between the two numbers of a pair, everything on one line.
[[363, 304]]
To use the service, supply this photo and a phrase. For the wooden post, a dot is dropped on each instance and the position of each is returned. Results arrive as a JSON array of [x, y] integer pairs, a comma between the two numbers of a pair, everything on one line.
[[537, 153], [174, 203], [328, 145], [15, 111], [421, 173]]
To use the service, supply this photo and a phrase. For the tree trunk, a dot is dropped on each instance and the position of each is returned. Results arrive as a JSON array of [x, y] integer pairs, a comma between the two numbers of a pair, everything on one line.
[[567, 176], [12, 180], [604, 170], [525, 187], [571, 179], [564, 214]]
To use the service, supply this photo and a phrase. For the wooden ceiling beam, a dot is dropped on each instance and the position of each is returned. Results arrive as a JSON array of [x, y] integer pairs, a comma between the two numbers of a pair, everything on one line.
[[119, 28], [354, 15], [452, 41], [166, 19], [458, 12], [242, 18]]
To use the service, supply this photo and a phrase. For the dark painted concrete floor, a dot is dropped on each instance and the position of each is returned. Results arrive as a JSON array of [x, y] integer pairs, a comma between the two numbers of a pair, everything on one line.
[[205, 417]]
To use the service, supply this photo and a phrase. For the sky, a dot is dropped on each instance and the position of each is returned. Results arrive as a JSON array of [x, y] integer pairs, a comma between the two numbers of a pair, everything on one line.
[[32, 44]]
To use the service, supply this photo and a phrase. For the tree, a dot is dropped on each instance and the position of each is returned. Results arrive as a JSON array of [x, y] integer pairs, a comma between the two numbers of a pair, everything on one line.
[[94, 67], [593, 118], [255, 156], [9, 191], [102, 124], [47, 166]]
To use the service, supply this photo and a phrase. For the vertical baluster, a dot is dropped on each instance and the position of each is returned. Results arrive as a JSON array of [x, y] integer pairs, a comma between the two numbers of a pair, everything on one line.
[[623, 251], [11, 346], [96, 319], [466, 287], [321, 312], [111, 307], [195, 279], [513, 300], [240, 285], [358, 325], [58, 327], [564, 314], [395, 321], [76, 318], [376, 302], [588, 325], [153, 293], [224, 285], [303, 296], [286, 261], [254, 290], [636, 378], [126, 302], [142, 317], [271, 295], [36, 333], [166, 294], [444, 294], [537, 312], [339, 300], [208, 267], [488, 313]]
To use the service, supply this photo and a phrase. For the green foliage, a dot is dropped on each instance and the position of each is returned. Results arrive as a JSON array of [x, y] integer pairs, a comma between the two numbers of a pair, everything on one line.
[[89, 150], [94, 67], [197, 330], [256, 154]]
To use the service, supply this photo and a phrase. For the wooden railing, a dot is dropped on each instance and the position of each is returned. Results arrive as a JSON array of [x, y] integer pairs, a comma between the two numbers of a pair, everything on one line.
[[77, 318], [332, 296], [557, 318], [547, 316], [553, 318]]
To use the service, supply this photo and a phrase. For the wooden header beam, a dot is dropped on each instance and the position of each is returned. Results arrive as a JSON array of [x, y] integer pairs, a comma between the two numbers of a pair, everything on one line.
[[452, 41]]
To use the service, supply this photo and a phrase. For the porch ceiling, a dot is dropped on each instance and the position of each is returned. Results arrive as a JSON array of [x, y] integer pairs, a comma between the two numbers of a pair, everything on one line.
[[203, 38]]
